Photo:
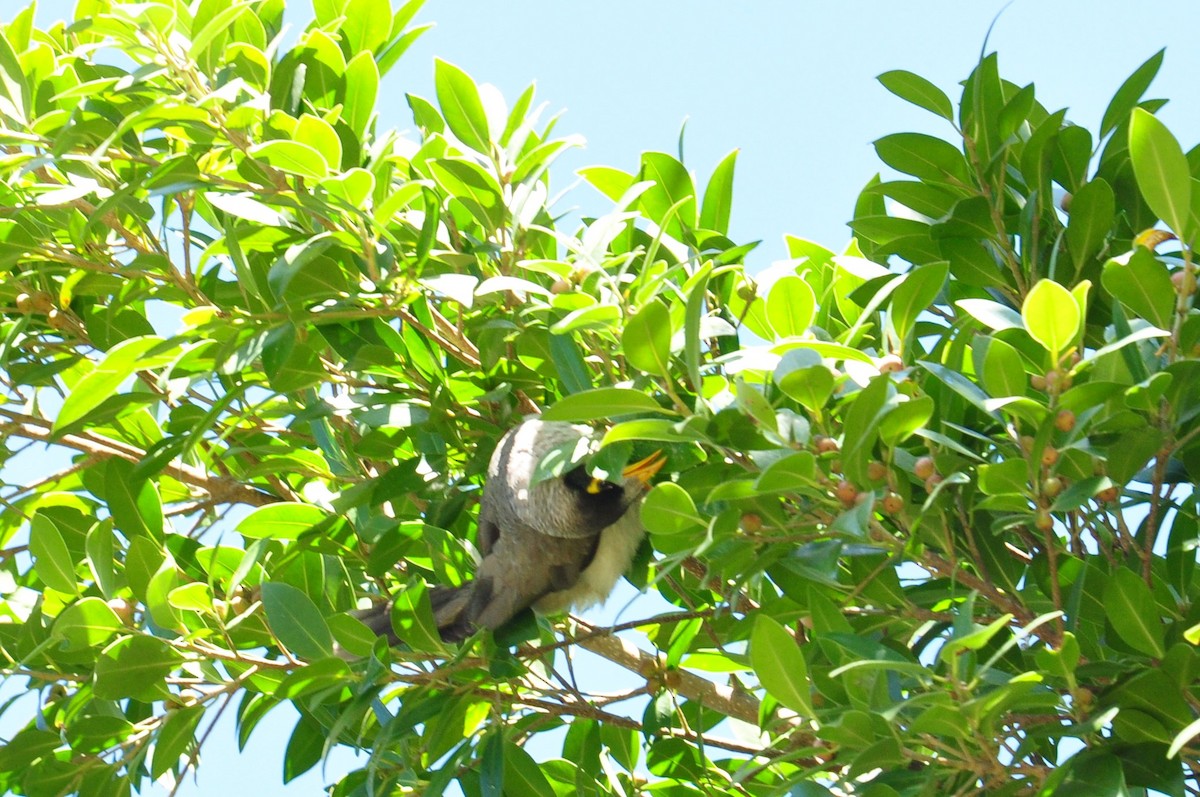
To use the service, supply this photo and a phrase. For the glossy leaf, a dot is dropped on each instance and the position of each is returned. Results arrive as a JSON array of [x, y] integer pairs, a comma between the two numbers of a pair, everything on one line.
[[459, 99], [791, 306], [607, 402], [780, 665], [1051, 316], [1130, 608], [647, 339], [1141, 283], [918, 91], [282, 521], [1161, 169], [296, 621]]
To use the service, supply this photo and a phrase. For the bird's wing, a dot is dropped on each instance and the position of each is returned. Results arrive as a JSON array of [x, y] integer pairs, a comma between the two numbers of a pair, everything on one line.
[[523, 566]]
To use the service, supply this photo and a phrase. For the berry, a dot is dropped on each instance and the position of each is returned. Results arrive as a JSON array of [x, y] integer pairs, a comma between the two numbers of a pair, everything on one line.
[[925, 468], [1052, 486], [846, 493], [890, 364], [24, 303], [1043, 520], [893, 504], [57, 319], [876, 470], [1064, 421], [932, 482], [1108, 495], [1049, 456], [751, 523], [123, 609], [826, 445], [561, 286], [1037, 382]]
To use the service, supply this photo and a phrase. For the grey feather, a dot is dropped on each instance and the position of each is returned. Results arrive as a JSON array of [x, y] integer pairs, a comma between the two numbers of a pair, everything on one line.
[[545, 544]]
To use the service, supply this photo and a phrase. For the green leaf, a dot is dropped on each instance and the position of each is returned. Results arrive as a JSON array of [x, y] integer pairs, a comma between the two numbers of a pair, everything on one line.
[[1130, 607], [795, 471], [135, 667], [899, 423], [523, 775], [718, 196], [304, 748], [919, 91], [478, 190], [281, 521], [1183, 737], [98, 546], [52, 559], [291, 157], [362, 88], [975, 639], [1142, 283], [220, 22], [603, 402], [915, 294], [1161, 170], [1003, 370], [459, 99], [102, 382], [320, 135], [811, 386], [175, 738], [923, 156], [1092, 211], [861, 427], [134, 503], [87, 623], [646, 339], [1130, 93], [791, 307], [1051, 316], [780, 665], [669, 509], [296, 621], [412, 618], [367, 25], [672, 188]]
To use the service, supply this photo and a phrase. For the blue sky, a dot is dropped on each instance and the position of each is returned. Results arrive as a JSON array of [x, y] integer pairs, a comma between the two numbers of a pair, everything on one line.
[[790, 84]]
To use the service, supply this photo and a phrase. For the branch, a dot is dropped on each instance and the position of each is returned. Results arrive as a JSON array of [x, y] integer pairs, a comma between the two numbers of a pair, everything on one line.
[[220, 489]]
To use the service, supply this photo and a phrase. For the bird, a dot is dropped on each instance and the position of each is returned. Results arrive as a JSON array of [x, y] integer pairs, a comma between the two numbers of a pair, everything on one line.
[[553, 544]]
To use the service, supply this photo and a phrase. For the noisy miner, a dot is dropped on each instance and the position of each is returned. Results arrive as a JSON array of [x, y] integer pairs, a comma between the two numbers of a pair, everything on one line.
[[553, 544]]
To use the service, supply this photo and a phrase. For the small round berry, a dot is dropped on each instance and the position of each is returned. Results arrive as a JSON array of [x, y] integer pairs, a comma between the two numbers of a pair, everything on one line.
[[561, 286], [751, 523], [890, 364], [123, 609], [826, 445], [1026, 443], [893, 504], [876, 470], [1108, 495], [846, 493], [932, 482], [1037, 382], [1064, 421], [1049, 456], [42, 302], [1043, 520], [57, 319], [925, 468], [1052, 486], [24, 303]]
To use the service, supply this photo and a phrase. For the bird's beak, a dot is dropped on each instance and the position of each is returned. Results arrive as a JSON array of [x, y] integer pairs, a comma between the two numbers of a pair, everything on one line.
[[644, 469]]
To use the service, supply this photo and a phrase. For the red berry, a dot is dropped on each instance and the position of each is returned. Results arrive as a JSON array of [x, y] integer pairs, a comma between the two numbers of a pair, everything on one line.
[[893, 504], [925, 468], [1064, 421], [846, 493]]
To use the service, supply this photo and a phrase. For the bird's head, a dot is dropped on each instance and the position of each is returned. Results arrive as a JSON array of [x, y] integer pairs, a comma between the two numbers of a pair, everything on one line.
[[573, 503]]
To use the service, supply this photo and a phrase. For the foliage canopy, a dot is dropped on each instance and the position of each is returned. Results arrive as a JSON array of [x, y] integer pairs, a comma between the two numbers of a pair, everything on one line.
[[931, 527]]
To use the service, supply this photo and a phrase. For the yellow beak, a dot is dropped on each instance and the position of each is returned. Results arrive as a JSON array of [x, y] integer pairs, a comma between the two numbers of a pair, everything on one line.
[[644, 469]]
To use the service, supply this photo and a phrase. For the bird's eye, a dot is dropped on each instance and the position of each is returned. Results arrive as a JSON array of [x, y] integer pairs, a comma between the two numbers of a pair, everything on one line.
[[600, 486]]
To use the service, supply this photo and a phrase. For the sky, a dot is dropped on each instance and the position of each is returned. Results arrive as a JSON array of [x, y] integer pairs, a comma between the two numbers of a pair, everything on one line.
[[789, 84]]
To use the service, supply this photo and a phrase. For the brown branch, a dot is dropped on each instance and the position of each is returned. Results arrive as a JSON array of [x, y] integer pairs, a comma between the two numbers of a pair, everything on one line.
[[221, 490]]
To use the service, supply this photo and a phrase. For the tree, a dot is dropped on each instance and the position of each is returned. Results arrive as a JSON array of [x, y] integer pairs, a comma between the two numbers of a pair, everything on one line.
[[931, 524]]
